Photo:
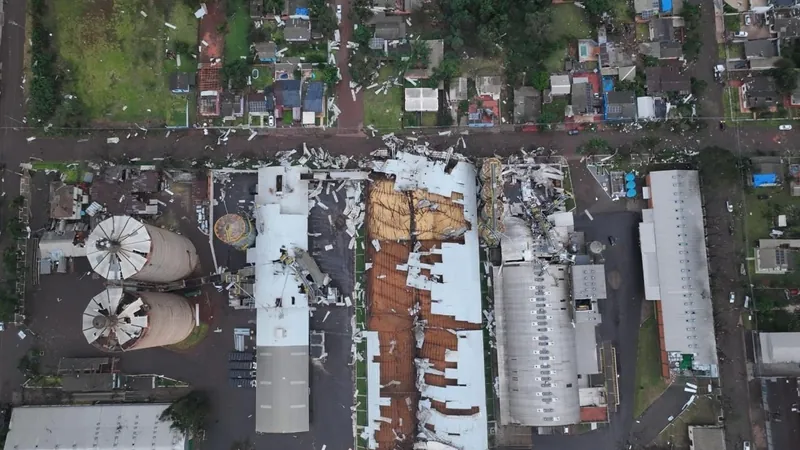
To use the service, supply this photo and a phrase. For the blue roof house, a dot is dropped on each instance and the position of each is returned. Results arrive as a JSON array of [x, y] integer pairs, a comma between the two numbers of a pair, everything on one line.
[[767, 175]]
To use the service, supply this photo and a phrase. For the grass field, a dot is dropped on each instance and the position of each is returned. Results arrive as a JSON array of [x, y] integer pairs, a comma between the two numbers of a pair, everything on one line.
[[569, 22], [237, 39], [116, 56], [384, 111], [649, 384]]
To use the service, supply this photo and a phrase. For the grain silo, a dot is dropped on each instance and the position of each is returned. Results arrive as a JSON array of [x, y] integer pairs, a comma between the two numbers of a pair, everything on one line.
[[236, 231], [116, 320], [122, 248]]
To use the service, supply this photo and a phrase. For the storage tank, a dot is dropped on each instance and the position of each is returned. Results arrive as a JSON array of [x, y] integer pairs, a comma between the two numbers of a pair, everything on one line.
[[122, 247], [116, 320], [236, 231]]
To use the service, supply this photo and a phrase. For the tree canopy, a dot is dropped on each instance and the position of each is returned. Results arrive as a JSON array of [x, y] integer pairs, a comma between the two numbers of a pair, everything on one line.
[[188, 413], [785, 75]]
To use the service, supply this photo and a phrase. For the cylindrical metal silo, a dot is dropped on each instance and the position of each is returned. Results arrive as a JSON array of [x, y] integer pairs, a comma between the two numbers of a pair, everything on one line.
[[116, 320], [236, 231], [122, 247]]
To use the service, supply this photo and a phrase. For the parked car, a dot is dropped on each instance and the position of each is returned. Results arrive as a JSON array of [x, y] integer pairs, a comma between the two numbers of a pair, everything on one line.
[[573, 132], [732, 297], [339, 13], [746, 445], [740, 34], [729, 205], [271, 121], [612, 240], [785, 127], [748, 19]]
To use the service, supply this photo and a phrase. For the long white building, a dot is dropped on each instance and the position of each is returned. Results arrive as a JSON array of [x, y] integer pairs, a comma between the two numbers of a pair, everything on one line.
[[675, 265], [95, 427]]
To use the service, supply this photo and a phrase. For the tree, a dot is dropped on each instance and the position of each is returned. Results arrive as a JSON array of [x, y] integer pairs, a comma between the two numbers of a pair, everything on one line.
[[595, 146], [330, 74], [188, 414], [540, 80], [595, 9], [235, 73], [449, 68], [785, 76], [698, 86], [323, 17]]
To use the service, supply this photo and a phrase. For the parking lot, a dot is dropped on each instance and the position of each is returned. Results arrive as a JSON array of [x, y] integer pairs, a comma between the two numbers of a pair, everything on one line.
[[783, 417]]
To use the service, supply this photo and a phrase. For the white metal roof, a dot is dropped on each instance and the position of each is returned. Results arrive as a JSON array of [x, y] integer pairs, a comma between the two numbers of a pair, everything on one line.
[[117, 248], [645, 108], [588, 281], [96, 427], [422, 99], [459, 293], [560, 85], [374, 399], [777, 348], [463, 432], [682, 265], [536, 348], [282, 311]]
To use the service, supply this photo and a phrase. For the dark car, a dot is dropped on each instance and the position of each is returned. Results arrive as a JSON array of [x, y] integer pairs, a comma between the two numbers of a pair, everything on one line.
[[612, 240], [573, 132]]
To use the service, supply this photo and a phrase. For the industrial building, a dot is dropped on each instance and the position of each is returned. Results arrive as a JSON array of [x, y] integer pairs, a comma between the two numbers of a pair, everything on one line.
[[545, 303], [706, 438], [778, 354], [115, 320], [121, 248], [100, 427], [282, 309], [426, 383], [675, 265]]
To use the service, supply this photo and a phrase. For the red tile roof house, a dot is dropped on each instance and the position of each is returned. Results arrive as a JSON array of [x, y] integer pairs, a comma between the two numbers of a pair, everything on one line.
[[484, 112]]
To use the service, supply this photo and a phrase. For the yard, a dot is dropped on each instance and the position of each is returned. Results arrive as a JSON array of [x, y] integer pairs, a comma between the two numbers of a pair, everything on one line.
[[384, 111], [177, 114], [730, 101], [703, 411], [570, 22], [265, 77], [649, 384], [237, 39], [111, 51]]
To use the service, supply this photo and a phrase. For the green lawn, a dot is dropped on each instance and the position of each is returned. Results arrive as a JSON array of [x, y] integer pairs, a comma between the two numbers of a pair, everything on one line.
[[642, 32], [237, 40], [555, 62], [762, 214], [733, 23], [622, 12], [384, 111], [730, 101], [177, 114], [265, 77], [569, 22], [649, 384], [111, 51], [288, 119], [429, 119]]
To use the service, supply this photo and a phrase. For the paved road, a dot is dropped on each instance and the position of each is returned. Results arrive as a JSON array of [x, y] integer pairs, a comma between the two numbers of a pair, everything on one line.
[[352, 116]]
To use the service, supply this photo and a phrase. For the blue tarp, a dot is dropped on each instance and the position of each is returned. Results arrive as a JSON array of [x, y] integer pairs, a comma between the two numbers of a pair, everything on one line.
[[666, 5], [765, 179], [608, 84], [631, 193], [629, 176], [304, 11]]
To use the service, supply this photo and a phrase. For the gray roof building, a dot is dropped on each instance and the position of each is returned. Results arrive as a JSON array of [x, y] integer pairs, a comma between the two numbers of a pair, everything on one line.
[[787, 27], [706, 438], [646, 8], [671, 50], [675, 266], [538, 387], [527, 104], [667, 79], [762, 48], [588, 282], [621, 105], [652, 49], [265, 51], [761, 92], [297, 29], [662, 30], [582, 98], [314, 95], [389, 27]]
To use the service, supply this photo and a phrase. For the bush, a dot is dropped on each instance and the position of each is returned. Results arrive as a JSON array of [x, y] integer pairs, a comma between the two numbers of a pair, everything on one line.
[[44, 89], [235, 73], [188, 413]]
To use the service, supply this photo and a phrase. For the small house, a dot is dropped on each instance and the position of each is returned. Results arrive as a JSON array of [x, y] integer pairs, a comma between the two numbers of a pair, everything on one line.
[[266, 52], [231, 106], [767, 175], [667, 79], [559, 85], [421, 100], [287, 98], [388, 27], [436, 56], [484, 112], [314, 98], [527, 104], [180, 83], [760, 92], [620, 106], [257, 104]]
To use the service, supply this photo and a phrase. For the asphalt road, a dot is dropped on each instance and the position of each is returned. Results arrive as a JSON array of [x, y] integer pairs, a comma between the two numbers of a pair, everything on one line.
[[782, 396]]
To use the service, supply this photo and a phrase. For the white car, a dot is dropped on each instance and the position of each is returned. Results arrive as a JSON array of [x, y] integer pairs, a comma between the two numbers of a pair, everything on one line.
[[729, 206], [746, 445], [748, 20], [271, 121], [740, 34], [786, 127], [732, 297], [339, 13]]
